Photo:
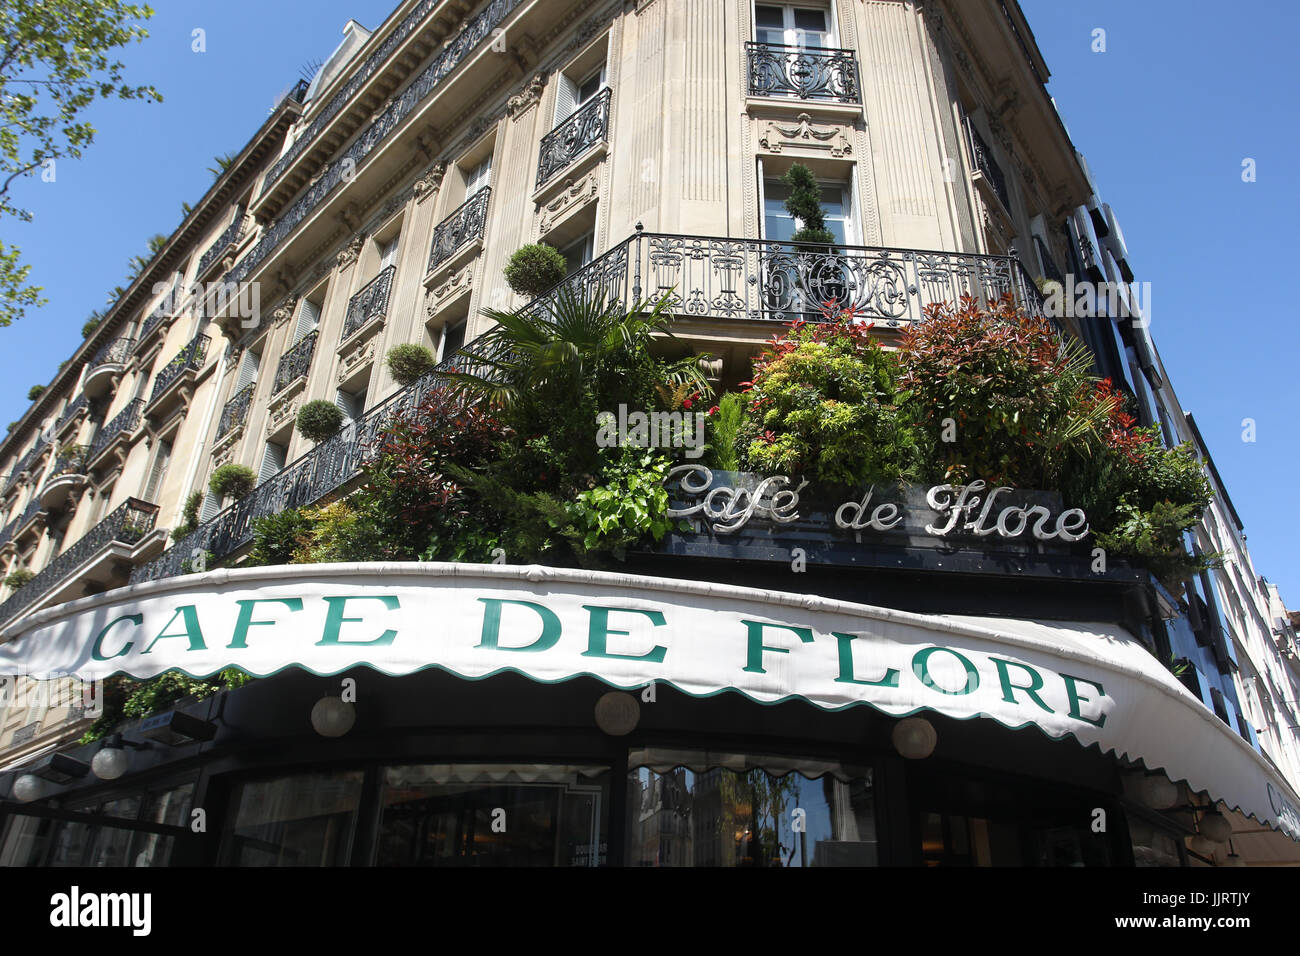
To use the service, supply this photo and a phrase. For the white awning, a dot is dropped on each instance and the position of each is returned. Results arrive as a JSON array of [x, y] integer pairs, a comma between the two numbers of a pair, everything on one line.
[[1092, 682]]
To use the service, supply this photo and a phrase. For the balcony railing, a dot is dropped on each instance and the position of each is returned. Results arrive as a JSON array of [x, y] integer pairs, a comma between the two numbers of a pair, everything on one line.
[[26, 461], [236, 411], [115, 352], [370, 303], [986, 164], [127, 420], [295, 363], [75, 406], [155, 317], [70, 462], [807, 74], [189, 358], [130, 522], [461, 228], [723, 278], [28, 516], [459, 48], [214, 251], [586, 128]]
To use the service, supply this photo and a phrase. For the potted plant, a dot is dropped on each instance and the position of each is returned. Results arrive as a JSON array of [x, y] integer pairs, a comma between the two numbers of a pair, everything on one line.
[[233, 481], [319, 420], [409, 362], [189, 516], [535, 269], [18, 577], [813, 238]]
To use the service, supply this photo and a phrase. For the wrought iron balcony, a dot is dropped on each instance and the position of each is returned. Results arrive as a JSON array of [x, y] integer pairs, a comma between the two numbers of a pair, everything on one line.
[[69, 461], [708, 277], [459, 48], [127, 420], [986, 164], [115, 352], [128, 523], [24, 463], [29, 515], [807, 74], [586, 128], [236, 411], [224, 241], [295, 363], [461, 228], [187, 359], [74, 407], [152, 322], [370, 303]]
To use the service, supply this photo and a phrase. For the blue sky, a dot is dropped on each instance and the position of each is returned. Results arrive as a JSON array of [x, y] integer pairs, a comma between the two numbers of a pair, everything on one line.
[[1183, 93]]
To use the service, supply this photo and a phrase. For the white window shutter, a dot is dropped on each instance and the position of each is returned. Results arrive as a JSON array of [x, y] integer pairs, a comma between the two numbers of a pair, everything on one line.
[[247, 370], [160, 462], [479, 177], [308, 319], [272, 462], [566, 98], [347, 404], [211, 505], [388, 253]]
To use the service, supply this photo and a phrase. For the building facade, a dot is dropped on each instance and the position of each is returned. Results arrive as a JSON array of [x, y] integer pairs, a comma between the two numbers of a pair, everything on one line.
[[646, 140]]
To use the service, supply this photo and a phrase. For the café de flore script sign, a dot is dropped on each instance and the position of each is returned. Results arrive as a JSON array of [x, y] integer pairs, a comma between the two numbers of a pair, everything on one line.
[[1093, 682]]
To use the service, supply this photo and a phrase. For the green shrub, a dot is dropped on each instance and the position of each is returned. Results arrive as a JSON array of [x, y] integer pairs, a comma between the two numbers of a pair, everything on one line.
[[338, 532], [408, 362], [189, 516], [278, 537], [35, 392], [805, 204], [823, 405], [724, 425], [630, 504], [534, 269], [232, 480], [319, 420], [91, 324], [18, 577]]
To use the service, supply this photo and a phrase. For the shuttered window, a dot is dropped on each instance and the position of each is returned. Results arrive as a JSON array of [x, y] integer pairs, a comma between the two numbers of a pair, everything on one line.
[[247, 370], [453, 337], [477, 178], [272, 462], [349, 405], [158, 471], [211, 505], [388, 253], [308, 319]]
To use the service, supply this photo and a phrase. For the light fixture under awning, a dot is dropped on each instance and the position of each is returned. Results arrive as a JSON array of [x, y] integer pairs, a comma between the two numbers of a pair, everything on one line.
[[1093, 682]]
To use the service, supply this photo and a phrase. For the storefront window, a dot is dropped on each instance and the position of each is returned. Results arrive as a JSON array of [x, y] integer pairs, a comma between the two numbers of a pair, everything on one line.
[[305, 820], [494, 815], [703, 809], [25, 840]]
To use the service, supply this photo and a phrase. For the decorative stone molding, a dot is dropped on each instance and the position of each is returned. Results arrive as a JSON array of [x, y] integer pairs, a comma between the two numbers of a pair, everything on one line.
[[528, 97], [431, 181], [351, 252], [350, 216], [224, 454], [282, 410], [283, 313], [456, 284], [574, 196], [804, 133], [361, 355]]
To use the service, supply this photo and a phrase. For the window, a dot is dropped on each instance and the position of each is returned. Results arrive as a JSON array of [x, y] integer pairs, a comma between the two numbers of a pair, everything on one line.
[[571, 95], [308, 320], [248, 366], [273, 456], [578, 253], [477, 179], [780, 226], [388, 250], [307, 820], [453, 337], [160, 460], [697, 809], [211, 505], [443, 814], [350, 404], [808, 28]]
